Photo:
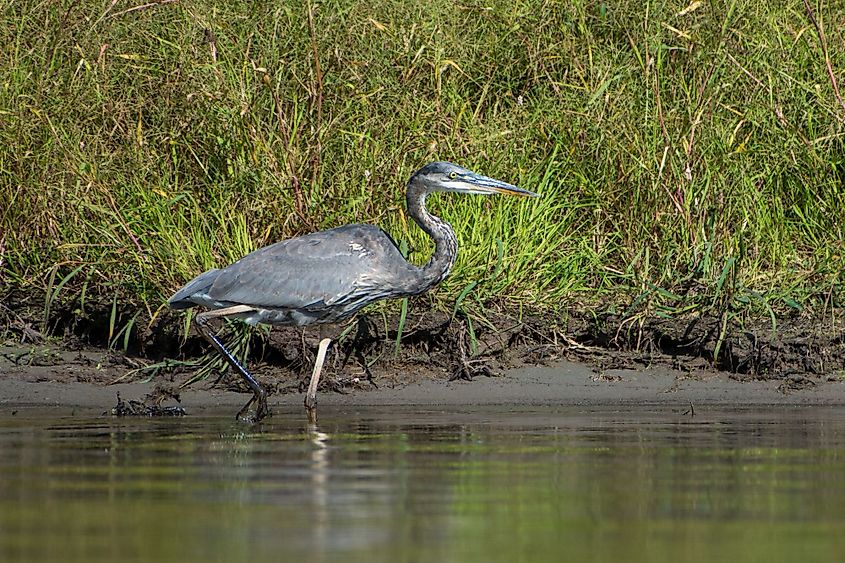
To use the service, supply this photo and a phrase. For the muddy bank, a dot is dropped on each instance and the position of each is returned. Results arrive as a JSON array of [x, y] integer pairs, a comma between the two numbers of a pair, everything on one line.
[[747, 348], [465, 345], [448, 359], [81, 381]]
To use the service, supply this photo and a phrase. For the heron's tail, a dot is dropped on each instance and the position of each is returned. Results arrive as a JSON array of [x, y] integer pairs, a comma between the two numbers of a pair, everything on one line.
[[187, 297]]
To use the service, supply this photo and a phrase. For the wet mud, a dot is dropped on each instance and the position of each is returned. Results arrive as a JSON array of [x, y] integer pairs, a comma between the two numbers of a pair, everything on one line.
[[561, 384], [798, 356]]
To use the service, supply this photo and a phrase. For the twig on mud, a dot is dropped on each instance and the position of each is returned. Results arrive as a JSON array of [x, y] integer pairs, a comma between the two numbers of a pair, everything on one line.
[[575, 344], [467, 367], [467, 370], [150, 406]]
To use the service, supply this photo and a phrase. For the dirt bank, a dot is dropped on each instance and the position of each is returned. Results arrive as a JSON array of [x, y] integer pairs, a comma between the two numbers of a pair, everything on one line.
[[445, 359], [79, 380]]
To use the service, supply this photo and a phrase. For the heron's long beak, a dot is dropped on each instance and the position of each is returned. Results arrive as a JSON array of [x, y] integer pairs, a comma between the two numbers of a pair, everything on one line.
[[478, 184]]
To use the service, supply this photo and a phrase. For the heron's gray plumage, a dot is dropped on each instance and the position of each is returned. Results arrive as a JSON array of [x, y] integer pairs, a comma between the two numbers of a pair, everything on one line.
[[328, 276], [316, 278], [185, 297]]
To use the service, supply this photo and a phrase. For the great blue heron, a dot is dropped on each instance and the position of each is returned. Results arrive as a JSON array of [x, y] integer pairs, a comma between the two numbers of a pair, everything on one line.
[[328, 276]]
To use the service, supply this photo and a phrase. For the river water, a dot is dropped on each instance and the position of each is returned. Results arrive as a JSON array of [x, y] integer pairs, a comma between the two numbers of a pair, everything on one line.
[[480, 484]]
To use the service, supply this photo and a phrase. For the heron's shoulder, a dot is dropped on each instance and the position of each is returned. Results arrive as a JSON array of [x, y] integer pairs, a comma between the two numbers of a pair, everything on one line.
[[356, 240], [356, 229], [358, 233]]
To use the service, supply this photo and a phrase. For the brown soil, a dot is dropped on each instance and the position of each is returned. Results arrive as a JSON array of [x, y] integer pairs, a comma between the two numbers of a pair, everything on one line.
[[799, 355], [562, 384]]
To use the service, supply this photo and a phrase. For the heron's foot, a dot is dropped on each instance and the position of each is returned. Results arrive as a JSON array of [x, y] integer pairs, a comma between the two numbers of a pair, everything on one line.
[[310, 401], [262, 411], [311, 407]]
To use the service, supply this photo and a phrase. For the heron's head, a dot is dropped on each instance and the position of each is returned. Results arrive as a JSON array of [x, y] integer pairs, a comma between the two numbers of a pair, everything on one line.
[[448, 177]]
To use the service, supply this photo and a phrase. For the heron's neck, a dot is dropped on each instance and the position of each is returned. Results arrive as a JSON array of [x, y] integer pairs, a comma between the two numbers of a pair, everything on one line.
[[445, 241]]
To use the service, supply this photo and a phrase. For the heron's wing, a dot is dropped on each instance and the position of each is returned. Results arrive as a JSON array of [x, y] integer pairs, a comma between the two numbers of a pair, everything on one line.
[[182, 299], [314, 271]]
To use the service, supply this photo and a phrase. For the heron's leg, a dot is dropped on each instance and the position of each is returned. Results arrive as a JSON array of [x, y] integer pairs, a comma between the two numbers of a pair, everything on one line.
[[259, 394], [311, 395]]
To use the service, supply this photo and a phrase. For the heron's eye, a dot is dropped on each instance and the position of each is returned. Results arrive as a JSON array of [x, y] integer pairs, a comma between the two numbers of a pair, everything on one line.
[[453, 175]]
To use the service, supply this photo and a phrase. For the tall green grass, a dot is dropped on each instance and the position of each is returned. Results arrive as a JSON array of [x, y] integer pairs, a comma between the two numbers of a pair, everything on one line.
[[691, 156]]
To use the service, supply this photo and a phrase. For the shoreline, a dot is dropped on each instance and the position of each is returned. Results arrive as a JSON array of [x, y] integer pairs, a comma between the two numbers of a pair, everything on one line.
[[562, 384]]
